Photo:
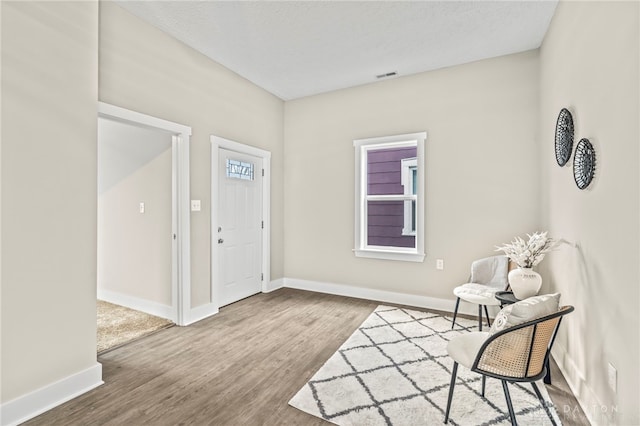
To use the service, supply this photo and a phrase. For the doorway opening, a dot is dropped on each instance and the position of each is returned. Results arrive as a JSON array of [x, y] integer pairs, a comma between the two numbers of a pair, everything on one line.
[[240, 220], [143, 213]]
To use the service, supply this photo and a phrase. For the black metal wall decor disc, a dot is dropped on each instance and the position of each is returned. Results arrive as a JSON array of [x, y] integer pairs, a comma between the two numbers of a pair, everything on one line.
[[584, 163], [564, 137]]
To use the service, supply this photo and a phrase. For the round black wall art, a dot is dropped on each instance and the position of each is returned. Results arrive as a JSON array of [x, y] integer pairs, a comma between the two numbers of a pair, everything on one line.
[[584, 163], [564, 137]]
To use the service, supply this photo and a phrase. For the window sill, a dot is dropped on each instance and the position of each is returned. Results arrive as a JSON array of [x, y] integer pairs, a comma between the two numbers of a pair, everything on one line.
[[390, 255]]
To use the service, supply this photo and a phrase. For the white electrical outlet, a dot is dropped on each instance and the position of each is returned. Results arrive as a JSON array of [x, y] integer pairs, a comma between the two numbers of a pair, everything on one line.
[[613, 377], [195, 205], [141, 207], [439, 264]]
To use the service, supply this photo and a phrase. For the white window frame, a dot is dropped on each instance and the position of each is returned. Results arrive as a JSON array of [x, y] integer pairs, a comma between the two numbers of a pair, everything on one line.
[[361, 248], [408, 164]]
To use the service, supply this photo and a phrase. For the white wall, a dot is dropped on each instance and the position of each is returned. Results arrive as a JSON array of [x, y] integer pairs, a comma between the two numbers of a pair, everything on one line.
[[481, 171], [589, 64], [134, 249], [145, 70], [124, 148], [49, 109]]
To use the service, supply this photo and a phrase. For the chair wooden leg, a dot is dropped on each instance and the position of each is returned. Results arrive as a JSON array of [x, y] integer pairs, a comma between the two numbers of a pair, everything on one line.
[[454, 372], [509, 404], [544, 404], [487, 313], [455, 313], [480, 317], [484, 384]]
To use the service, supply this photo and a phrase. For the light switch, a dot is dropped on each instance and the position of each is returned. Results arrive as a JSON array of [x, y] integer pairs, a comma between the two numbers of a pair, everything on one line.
[[141, 207], [195, 205]]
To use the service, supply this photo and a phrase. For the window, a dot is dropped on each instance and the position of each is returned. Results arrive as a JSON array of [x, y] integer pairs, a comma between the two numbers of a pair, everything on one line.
[[390, 197], [239, 170]]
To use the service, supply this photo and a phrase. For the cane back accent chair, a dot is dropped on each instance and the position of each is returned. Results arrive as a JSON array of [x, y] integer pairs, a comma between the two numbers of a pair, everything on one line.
[[516, 354]]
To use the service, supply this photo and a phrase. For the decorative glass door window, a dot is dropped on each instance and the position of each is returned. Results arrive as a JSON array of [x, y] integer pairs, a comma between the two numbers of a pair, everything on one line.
[[389, 202], [239, 170]]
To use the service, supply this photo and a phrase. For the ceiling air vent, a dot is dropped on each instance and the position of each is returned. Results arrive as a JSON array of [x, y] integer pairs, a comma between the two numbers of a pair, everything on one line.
[[387, 75]]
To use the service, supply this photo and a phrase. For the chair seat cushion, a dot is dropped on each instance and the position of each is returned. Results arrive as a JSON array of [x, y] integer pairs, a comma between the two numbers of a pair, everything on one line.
[[464, 348], [477, 293]]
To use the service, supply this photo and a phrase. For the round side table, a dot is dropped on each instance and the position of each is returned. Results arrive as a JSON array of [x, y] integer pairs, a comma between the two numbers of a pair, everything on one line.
[[506, 298]]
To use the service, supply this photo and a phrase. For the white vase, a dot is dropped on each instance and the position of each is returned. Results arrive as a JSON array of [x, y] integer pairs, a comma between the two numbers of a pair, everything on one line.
[[524, 282]]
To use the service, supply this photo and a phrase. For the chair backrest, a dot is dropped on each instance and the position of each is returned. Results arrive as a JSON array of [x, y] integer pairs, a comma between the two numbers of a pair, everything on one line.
[[520, 352], [491, 271]]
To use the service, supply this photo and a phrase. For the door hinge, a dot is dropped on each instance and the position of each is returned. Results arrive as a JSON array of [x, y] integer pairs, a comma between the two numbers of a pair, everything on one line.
[[262, 172], [261, 277], [262, 224]]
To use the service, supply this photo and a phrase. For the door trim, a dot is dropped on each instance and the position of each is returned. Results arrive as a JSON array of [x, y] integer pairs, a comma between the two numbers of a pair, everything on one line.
[[218, 142], [181, 214]]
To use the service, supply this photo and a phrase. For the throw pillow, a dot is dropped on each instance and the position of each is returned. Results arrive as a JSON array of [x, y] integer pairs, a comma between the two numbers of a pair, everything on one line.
[[525, 310]]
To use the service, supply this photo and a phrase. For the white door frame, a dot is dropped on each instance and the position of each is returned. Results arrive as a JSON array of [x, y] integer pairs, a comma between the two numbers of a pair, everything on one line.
[[217, 143], [181, 214]]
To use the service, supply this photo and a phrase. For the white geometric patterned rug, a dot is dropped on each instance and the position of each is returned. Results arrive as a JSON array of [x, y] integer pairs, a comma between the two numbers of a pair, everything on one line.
[[394, 370]]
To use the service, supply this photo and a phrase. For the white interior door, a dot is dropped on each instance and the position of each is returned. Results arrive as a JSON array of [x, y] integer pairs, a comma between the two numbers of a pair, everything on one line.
[[239, 232]]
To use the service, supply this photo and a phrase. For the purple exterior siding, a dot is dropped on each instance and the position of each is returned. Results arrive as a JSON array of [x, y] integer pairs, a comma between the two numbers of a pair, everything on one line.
[[385, 222], [385, 219], [384, 169]]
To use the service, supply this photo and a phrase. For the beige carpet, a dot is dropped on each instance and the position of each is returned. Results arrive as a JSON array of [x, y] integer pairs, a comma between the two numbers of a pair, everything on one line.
[[118, 325]]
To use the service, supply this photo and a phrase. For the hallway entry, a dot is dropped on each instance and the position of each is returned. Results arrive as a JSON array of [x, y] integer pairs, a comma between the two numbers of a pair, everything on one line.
[[143, 213], [135, 217]]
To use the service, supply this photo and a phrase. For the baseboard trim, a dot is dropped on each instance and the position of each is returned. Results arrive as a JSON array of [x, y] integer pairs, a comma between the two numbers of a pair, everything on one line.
[[201, 312], [34, 403], [586, 397], [273, 285], [147, 306], [445, 305]]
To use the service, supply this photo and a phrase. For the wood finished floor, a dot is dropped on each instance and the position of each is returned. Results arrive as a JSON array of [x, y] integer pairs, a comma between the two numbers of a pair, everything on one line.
[[240, 367]]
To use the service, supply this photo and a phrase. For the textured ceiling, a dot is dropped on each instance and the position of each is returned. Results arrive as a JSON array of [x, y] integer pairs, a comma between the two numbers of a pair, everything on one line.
[[300, 48]]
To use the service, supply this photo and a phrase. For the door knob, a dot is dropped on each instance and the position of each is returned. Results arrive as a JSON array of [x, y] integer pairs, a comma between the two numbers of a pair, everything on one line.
[[220, 241]]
